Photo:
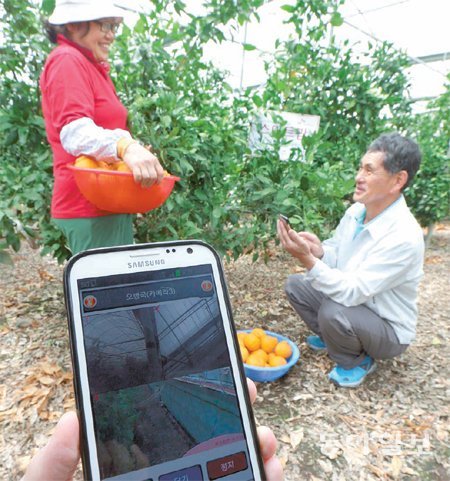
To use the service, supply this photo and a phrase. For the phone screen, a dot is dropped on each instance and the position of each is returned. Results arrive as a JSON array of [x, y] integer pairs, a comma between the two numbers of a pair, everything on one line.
[[161, 386]]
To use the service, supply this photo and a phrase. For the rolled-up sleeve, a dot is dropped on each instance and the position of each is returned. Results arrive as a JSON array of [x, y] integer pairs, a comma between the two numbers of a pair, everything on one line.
[[83, 136]]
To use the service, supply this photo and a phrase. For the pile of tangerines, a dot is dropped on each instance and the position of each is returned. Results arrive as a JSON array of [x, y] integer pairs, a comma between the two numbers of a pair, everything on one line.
[[263, 350], [86, 162]]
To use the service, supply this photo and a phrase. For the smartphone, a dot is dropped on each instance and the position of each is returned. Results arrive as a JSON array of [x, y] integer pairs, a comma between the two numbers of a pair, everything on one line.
[[159, 383], [285, 219]]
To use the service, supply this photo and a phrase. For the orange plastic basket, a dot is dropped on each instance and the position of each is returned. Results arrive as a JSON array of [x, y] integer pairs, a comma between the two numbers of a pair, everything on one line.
[[117, 192]]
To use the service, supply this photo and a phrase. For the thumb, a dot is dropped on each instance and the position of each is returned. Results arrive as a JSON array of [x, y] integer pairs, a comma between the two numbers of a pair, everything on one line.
[[59, 459]]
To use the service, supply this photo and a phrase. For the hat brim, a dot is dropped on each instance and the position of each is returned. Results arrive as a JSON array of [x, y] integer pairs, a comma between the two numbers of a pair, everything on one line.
[[73, 14]]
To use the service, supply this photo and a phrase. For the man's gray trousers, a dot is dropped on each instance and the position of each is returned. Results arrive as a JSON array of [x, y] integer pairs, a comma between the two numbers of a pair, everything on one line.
[[349, 332]]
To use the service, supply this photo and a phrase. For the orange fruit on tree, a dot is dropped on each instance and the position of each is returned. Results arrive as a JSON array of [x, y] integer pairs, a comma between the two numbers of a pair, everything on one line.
[[268, 343], [85, 162], [252, 342], [255, 360], [258, 332], [283, 349], [276, 361]]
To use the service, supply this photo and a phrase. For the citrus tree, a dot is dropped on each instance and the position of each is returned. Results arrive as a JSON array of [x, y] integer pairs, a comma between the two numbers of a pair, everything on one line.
[[25, 166], [429, 194], [229, 195]]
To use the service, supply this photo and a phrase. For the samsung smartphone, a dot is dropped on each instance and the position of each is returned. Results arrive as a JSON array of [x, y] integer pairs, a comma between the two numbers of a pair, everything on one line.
[[285, 219], [159, 383]]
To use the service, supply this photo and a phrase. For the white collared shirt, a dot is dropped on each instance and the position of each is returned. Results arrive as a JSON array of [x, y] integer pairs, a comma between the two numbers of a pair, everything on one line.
[[381, 267]]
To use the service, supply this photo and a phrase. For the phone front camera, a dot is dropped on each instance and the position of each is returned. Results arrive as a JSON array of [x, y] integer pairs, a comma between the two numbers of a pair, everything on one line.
[[189, 250]]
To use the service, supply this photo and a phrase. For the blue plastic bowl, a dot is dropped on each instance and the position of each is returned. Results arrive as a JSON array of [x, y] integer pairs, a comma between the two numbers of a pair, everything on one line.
[[267, 374]]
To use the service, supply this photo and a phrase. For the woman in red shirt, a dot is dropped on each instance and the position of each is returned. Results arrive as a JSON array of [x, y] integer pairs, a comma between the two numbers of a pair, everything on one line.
[[83, 115]]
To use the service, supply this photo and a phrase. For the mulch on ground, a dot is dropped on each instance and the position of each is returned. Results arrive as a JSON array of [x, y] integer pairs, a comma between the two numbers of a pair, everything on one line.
[[394, 427]]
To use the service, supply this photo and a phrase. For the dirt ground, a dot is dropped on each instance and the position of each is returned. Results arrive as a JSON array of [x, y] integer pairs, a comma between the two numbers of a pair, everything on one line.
[[394, 427]]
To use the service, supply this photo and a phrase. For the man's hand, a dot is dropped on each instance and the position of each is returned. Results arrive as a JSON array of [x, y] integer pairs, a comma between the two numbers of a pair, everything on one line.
[[297, 245], [314, 243], [144, 165], [59, 459]]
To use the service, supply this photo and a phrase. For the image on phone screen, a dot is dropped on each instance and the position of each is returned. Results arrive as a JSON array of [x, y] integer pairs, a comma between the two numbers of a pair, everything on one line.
[[163, 397]]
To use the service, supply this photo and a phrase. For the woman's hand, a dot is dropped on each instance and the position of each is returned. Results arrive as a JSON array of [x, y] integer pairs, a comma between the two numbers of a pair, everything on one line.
[[59, 459], [144, 165]]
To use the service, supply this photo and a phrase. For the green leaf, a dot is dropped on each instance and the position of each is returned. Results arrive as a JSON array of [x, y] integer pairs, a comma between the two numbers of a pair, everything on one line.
[[257, 100], [336, 19], [288, 8], [217, 212], [5, 258], [48, 6]]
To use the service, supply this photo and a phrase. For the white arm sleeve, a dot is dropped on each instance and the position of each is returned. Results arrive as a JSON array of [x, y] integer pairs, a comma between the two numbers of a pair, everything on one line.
[[84, 137]]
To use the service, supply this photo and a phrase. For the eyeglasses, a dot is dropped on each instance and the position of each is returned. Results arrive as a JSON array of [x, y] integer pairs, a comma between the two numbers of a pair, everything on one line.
[[107, 27]]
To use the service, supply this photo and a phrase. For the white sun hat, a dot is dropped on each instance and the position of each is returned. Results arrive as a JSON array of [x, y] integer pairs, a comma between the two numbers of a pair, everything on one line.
[[68, 11]]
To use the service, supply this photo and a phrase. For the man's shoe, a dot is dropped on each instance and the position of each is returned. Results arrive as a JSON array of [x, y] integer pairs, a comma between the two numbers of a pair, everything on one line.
[[316, 343], [352, 377]]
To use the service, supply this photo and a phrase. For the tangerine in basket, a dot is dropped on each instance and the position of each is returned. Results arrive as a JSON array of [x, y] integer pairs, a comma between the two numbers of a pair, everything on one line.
[[244, 353], [252, 342], [85, 162], [276, 361], [262, 354], [254, 360], [105, 166], [268, 343], [283, 349], [122, 167], [261, 349], [258, 332], [241, 336], [112, 188]]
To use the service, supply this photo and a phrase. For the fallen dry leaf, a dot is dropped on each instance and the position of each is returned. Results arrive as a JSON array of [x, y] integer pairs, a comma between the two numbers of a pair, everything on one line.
[[46, 380], [377, 471], [295, 438], [396, 466], [331, 450], [433, 260], [413, 386]]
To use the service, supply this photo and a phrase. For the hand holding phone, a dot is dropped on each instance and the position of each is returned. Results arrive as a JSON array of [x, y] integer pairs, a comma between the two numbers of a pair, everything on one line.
[[60, 457], [159, 383], [285, 219]]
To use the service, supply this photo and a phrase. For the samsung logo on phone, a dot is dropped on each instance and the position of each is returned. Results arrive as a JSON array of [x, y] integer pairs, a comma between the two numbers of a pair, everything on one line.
[[146, 263]]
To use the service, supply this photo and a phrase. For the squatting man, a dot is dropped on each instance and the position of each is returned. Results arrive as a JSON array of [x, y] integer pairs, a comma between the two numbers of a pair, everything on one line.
[[359, 293]]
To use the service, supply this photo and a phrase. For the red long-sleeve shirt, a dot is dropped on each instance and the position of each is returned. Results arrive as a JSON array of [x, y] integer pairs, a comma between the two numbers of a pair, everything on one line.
[[74, 85]]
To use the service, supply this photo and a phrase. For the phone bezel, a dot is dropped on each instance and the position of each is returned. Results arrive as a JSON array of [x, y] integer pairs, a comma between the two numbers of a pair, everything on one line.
[[285, 219], [83, 399]]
